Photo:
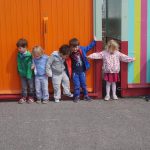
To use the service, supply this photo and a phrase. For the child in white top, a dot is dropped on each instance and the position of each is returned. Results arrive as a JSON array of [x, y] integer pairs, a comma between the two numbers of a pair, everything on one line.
[[111, 65]]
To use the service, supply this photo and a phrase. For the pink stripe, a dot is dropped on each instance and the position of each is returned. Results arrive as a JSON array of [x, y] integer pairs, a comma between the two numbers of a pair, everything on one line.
[[143, 40]]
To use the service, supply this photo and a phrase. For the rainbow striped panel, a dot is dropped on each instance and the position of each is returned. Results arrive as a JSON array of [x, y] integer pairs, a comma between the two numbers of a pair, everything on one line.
[[139, 41]]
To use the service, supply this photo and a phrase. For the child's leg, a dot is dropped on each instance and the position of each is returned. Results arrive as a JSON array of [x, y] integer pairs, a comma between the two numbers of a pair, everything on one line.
[[31, 87], [24, 90], [38, 88], [108, 84], [56, 81], [45, 88], [66, 85], [114, 90], [83, 83], [76, 84], [82, 77], [24, 86]]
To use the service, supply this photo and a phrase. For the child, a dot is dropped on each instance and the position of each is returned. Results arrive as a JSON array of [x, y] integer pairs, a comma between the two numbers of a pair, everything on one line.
[[24, 62], [56, 69], [41, 79], [111, 66], [80, 65]]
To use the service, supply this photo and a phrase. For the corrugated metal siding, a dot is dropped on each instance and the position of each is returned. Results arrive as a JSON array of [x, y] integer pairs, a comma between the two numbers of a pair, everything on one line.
[[24, 18], [18, 18], [68, 19]]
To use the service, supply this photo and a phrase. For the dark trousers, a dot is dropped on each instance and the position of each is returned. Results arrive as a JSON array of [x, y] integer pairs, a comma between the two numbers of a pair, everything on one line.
[[79, 80], [27, 87]]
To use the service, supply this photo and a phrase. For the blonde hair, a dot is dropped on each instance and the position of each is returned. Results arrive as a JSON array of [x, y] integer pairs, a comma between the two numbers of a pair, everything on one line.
[[37, 50], [112, 44]]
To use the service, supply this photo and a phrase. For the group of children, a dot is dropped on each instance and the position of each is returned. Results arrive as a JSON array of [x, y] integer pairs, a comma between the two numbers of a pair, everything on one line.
[[70, 62]]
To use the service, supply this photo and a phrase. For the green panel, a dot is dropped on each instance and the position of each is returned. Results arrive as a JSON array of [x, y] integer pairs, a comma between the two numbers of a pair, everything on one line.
[[97, 9]]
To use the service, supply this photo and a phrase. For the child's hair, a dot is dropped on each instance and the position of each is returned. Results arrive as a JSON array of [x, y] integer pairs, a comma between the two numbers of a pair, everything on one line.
[[112, 44], [65, 50], [74, 42], [22, 43], [37, 50]]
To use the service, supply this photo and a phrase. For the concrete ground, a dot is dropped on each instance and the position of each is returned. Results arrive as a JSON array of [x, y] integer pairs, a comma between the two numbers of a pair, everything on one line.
[[96, 125]]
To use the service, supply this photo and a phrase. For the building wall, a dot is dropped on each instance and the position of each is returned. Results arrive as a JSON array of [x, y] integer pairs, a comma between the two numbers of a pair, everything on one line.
[[18, 18], [25, 18], [139, 41]]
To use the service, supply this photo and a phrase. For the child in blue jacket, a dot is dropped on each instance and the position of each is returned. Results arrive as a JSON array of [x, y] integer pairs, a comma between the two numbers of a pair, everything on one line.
[[41, 79], [80, 65]]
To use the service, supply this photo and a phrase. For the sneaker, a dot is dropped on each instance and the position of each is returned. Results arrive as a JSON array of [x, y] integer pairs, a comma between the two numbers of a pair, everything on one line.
[[57, 100], [22, 100], [69, 95], [107, 98], [87, 98], [76, 99], [115, 97], [147, 99], [38, 101], [30, 100], [45, 102]]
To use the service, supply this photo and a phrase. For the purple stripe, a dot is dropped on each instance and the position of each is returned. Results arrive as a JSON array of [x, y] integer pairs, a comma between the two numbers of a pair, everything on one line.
[[143, 40]]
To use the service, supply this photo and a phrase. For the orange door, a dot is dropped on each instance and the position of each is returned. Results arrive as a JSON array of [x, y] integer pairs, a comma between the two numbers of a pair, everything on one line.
[[62, 20], [50, 23], [18, 18]]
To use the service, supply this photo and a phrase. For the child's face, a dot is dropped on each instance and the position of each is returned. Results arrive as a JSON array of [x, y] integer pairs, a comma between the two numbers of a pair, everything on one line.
[[112, 49], [37, 55], [21, 49], [74, 48], [64, 56]]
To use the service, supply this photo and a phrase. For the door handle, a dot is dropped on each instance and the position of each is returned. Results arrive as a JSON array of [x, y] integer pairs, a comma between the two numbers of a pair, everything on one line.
[[45, 25], [45, 32]]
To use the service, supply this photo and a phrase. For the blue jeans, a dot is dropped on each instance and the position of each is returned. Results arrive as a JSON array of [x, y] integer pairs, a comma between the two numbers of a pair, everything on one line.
[[79, 80], [41, 87], [25, 84]]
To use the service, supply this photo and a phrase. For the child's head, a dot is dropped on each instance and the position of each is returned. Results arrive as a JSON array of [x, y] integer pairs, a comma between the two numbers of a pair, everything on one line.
[[112, 46], [74, 44], [64, 51], [37, 51], [22, 45]]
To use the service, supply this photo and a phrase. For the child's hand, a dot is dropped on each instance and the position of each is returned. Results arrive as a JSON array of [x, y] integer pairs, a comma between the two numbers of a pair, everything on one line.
[[134, 59], [95, 39], [88, 57], [32, 67]]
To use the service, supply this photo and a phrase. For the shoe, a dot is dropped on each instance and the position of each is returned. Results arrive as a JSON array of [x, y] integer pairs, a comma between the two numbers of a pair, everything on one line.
[[114, 97], [76, 99], [45, 102], [87, 98], [147, 99], [57, 100], [30, 100], [38, 101], [69, 95], [107, 98], [22, 100]]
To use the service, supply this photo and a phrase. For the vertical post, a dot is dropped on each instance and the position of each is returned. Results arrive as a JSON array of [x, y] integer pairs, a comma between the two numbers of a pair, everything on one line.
[[97, 12]]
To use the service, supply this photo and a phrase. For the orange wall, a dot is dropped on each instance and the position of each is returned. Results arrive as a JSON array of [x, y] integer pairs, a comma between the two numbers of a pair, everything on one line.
[[18, 18], [24, 18]]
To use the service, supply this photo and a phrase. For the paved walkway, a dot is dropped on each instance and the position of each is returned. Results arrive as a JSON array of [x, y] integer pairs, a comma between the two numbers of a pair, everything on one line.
[[96, 125]]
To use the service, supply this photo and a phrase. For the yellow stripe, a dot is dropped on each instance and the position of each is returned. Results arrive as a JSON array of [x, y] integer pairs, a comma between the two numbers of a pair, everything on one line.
[[137, 39]]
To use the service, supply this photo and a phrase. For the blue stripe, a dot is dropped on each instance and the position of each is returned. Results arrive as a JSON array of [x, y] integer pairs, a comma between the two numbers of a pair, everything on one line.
[[131, 41], [148, 41]]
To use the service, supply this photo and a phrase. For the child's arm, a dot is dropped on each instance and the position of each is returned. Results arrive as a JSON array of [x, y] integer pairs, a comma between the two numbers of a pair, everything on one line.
[[19, 67], [33, 67], [29, 70], [126, 58], [48, 66], [98, 55], [89, 47]]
